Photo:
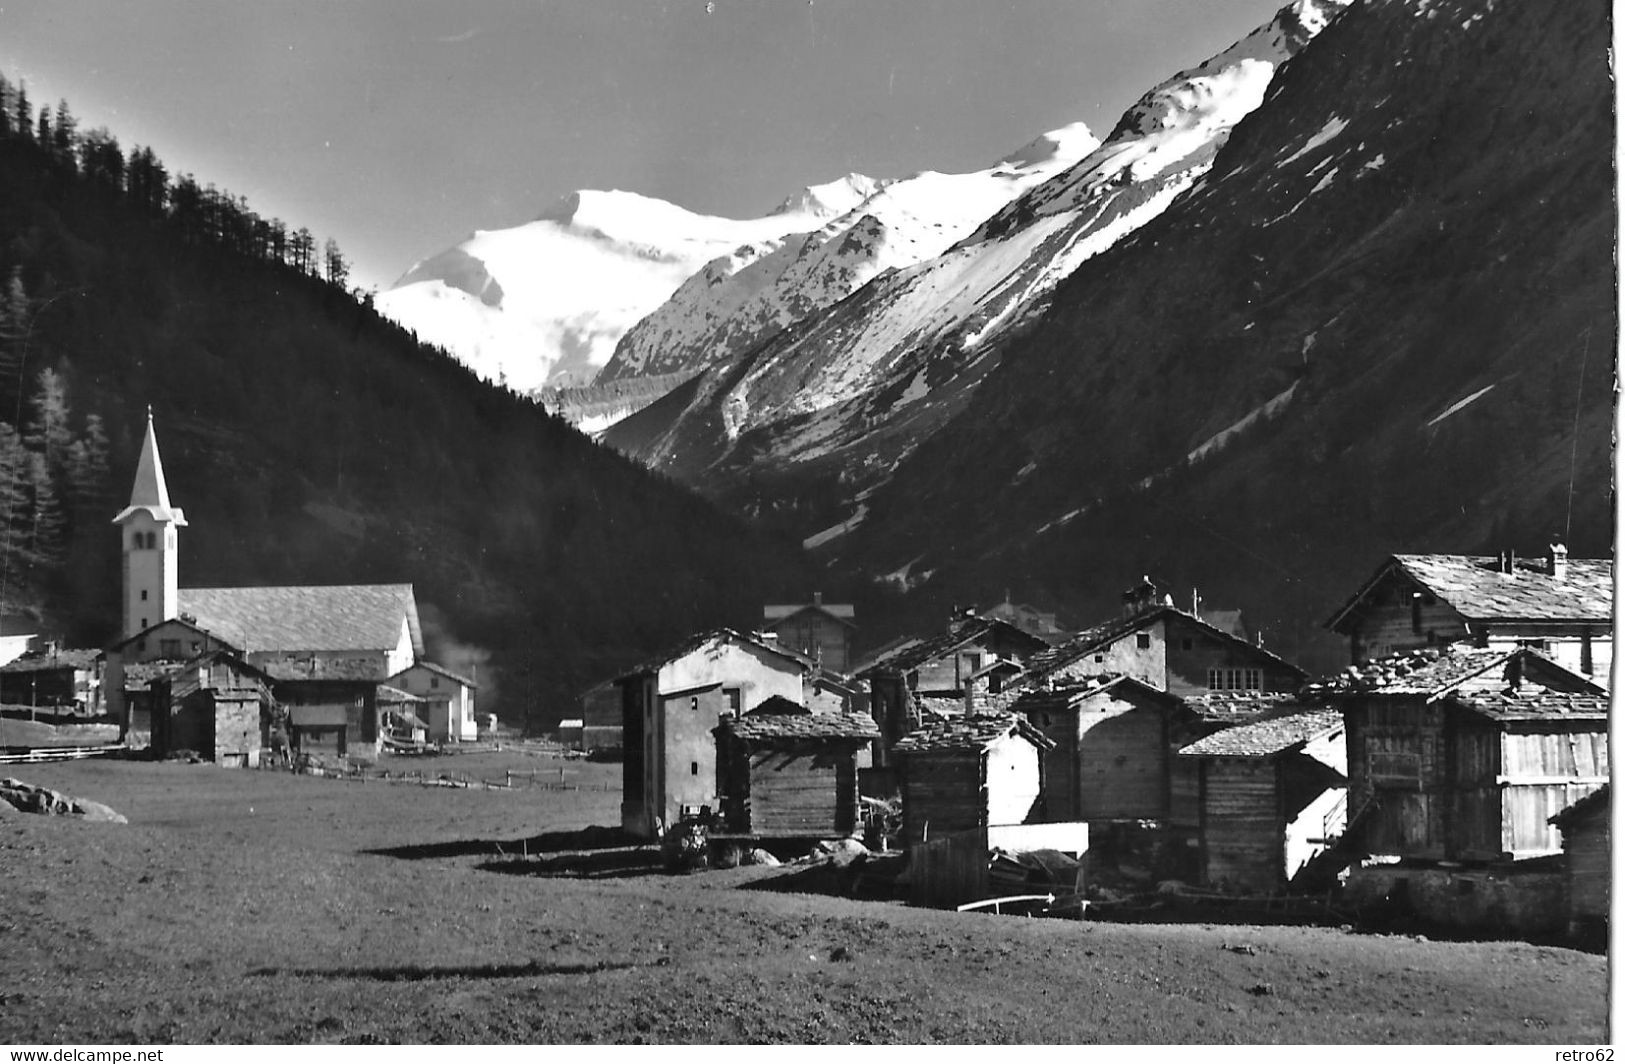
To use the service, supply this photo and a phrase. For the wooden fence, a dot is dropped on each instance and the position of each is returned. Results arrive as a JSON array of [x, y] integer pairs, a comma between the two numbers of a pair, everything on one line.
[[44, 754]]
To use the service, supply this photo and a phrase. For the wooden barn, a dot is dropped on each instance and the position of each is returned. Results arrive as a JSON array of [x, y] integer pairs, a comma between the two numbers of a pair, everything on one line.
[[1272, 794], [1111, 757], [1561, 606], [332, 704], [1465, 754], [971, 772], [820, 630], [1586, 826], [1206, 714], [67, 680], [791, 774]]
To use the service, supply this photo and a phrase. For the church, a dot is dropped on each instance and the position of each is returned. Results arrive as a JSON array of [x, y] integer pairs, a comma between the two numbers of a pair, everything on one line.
[[316, 653]]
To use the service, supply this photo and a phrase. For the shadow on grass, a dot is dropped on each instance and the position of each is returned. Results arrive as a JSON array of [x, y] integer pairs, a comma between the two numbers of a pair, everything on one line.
[[416, 973], [596, 837], [594, 864]]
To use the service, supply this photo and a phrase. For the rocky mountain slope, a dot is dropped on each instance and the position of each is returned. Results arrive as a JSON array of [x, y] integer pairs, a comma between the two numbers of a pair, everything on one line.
[[544, 303], [850, 391], [1384, 321], [742, 298]]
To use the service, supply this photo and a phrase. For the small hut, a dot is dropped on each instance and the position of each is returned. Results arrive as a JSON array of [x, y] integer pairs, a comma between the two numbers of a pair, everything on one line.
[[791, 774], [971, 772], [1587, 828], [1272, 794]]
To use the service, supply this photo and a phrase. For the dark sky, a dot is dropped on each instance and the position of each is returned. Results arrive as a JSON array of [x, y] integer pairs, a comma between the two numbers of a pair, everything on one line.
[[399, 126]]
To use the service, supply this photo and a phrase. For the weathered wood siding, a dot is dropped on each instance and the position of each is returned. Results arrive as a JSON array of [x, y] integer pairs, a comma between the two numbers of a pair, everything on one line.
[[1590, 868], [1242, 838], [943, 793], [1014, 781], [1391, 619], [1122, 767], [802, 790], [948, 869], [1185, 792]]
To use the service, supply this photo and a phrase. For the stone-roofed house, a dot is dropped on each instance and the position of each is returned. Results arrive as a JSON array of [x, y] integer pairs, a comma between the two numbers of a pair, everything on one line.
[[1169, 649], [784, 771], [1463, 754], [820, 630], [68, 679], [1559, 605], [215, 704], [670, 707], [972, 772], [939, 667], [1272, 795]]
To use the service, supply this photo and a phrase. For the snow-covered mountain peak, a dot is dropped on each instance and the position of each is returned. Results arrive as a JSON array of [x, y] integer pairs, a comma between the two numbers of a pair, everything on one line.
[[832, 197], [1070, 141]]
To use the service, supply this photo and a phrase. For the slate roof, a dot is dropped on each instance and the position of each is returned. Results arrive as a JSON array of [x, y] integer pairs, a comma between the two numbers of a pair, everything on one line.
[[1592, 804], [1102, 635], [694, 643], [1474, 587], [1063, 695], [778, 705], [139, 674], [48, 660], [452, 676], [965, 734], [1235, 707], [1423, 671], [348, 670], [1534, 704], [388, 695], [352, 617], [910, 656], [1268, 737], [784, 726], [840, 611], [939, 708]]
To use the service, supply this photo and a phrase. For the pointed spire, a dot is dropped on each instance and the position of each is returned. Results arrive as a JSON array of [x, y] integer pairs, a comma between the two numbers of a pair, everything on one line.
[[149, 492], [149, 489]]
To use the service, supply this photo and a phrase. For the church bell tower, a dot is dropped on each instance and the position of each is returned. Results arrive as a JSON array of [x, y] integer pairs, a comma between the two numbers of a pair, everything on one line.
[[147, 531]]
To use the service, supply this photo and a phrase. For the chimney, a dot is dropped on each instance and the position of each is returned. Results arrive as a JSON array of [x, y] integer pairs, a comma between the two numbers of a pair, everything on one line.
[[1557, 559], [818, 598]]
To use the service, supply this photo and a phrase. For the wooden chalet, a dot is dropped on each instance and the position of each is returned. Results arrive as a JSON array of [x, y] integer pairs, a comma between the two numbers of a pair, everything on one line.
[[66, 680], [1272, 794], [1112, 738], [1166, 648], [786, 772], [820, 630], [215, 705], [1587, 835], [939, 667], [1465, 754], [670, 707], [973, 772], [1561, 606]]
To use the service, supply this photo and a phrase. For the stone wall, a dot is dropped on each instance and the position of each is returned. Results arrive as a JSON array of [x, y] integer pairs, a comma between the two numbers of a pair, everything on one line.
[[1517, 901]]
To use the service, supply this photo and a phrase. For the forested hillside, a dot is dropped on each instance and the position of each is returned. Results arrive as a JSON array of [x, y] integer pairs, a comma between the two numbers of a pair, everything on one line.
[[309, 440]]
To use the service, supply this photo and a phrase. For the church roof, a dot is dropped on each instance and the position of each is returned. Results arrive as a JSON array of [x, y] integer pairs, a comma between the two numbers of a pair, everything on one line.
[[348, 617], [149, 492]]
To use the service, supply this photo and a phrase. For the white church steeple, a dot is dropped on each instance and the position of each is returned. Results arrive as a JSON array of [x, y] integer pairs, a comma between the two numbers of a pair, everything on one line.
[[147, 528]]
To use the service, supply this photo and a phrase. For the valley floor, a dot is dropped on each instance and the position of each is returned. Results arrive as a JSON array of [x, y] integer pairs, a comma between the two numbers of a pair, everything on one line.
[[241, 906]]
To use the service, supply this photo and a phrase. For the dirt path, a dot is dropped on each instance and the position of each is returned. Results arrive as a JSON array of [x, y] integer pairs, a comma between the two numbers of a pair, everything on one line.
[[242, 906]]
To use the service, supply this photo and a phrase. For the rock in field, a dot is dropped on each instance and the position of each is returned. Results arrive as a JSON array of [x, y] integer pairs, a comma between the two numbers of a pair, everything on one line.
[[15, 795]]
